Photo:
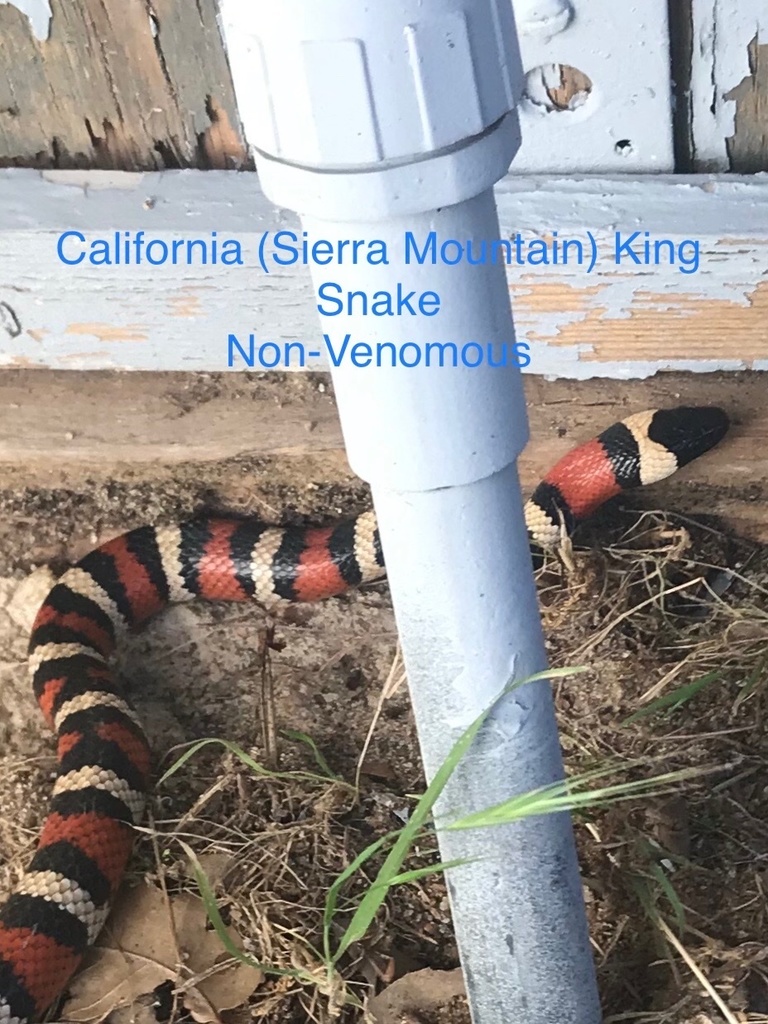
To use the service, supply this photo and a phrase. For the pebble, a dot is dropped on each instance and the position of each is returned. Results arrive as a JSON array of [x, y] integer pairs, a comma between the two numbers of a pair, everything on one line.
[[29, 595]]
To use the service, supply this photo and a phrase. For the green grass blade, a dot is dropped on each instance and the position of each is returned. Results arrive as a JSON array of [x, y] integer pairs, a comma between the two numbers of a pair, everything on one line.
[[417, 873], [752, 682], [673, 899], [331, 899], [376, 894], [212, 910], [320, 761], [247, 760], [565, 796], [674, 699]]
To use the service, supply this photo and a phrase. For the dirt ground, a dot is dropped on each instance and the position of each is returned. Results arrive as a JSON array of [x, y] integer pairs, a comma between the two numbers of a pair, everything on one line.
[[674, 883]]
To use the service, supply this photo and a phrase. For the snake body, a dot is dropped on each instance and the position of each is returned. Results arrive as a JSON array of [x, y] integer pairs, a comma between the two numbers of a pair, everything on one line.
[[61, 903]]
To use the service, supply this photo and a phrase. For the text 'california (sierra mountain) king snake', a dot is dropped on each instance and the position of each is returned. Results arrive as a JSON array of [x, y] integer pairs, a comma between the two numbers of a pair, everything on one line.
[[103, 778]]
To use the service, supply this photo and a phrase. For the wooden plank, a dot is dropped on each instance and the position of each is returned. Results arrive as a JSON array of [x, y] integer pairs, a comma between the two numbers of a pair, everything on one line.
[[118, 84], [123, 84], [89, 418], [133, 84], [748, 146], [729, 85], [58, 428], [621, 320]]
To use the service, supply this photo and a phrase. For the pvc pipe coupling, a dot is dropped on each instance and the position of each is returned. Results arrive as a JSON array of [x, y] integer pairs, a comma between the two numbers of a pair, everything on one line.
[[428, 87], [370, 120]]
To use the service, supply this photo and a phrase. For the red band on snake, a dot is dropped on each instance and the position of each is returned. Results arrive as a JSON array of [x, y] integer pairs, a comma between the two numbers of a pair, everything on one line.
[[61, 903]]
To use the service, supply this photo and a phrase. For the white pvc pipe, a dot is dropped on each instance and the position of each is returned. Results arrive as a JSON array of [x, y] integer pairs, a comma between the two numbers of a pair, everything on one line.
[[373, 120]]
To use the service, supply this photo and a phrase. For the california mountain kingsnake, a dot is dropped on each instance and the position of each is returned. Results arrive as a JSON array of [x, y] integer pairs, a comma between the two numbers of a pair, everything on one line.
[[61, 903]]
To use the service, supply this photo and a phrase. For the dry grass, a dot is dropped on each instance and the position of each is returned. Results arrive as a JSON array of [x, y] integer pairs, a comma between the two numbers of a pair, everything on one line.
[[675, 885], [676, 897], [677, 911]]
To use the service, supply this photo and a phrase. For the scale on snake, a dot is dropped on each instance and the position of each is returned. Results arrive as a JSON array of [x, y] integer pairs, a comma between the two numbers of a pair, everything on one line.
[[61, 903]]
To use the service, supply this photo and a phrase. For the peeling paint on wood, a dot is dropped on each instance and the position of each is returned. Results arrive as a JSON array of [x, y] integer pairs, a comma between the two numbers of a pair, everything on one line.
[[748, 146], [729, 85], [128, 84], [619, 321], [581, 111]]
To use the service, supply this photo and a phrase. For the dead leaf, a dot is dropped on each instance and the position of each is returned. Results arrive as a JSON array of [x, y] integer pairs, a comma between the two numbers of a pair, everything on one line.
[[141, 1011], [138, 951], [213, 865], [112, 979], [420, 992]]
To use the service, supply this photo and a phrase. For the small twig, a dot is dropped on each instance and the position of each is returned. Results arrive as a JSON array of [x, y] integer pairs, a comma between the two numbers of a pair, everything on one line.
[[268, 722], [167, 900], [672, 939], [220, 784], [393, 682], [606, 632]]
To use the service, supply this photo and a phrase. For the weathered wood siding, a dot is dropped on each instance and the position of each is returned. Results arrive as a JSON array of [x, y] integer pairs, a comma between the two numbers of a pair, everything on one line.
[[145, 85], [622, 320], [722, 63], [128, 84]]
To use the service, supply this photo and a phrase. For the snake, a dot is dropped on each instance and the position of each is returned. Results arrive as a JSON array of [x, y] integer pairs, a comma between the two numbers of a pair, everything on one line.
[[62, 900]]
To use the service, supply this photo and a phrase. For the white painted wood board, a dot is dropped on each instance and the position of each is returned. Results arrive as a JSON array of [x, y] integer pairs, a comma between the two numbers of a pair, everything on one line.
[[624, 125], [622, 322]]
